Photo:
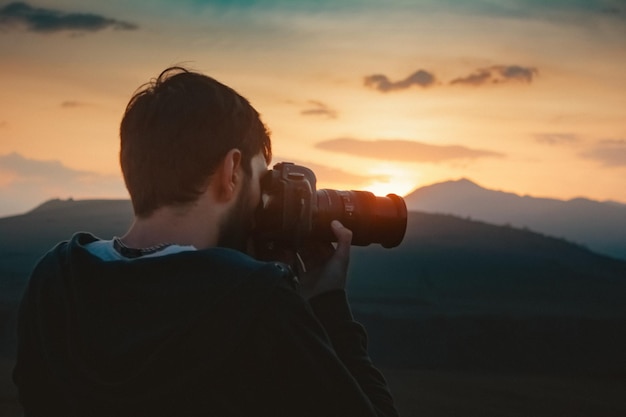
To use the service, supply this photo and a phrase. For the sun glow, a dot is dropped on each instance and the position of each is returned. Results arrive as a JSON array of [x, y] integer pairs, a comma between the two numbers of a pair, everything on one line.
[[392, 179], [391, 187]]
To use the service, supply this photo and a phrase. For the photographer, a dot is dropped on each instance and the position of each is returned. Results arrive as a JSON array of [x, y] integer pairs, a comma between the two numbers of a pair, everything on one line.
[[174, 318]]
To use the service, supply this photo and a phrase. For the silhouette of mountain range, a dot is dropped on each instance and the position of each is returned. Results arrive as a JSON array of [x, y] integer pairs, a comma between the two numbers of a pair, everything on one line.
[[601, 226], [462, 294], [490, 312], [453, 282]]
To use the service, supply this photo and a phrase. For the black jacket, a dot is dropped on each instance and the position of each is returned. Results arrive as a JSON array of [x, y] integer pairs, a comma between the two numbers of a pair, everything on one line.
[[210, 332]]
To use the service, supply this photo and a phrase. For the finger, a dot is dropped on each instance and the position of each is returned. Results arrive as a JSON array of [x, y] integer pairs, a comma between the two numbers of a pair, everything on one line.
[[316, 253], [344, 239]]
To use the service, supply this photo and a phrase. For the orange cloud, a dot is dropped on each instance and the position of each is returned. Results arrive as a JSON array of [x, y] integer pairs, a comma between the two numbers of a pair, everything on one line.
[[497, 74], [556, 138], [419, 78], [610, 152], [25, 183], [404, 150], [317, 108], [326, 174], [71, 104]]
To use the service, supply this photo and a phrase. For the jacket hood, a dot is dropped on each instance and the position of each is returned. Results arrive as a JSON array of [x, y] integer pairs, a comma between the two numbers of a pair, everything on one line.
[[121, 331]]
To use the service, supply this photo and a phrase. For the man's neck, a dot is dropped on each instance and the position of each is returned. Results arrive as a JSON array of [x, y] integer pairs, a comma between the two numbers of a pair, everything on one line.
[[173, 225]]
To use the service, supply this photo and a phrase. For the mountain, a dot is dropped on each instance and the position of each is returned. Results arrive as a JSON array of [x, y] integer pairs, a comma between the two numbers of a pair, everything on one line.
[[465, 295], [458, 297], [25, 238], [445, 265], [601, 226]]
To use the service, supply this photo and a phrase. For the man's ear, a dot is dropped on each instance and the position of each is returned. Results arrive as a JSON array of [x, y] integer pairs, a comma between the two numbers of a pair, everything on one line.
[[228, 176]]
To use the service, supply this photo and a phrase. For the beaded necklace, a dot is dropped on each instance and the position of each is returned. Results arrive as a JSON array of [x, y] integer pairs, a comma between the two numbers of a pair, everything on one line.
[[127, 252]]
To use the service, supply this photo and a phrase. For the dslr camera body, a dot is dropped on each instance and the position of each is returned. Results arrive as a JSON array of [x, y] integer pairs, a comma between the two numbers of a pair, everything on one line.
[[292, 210]]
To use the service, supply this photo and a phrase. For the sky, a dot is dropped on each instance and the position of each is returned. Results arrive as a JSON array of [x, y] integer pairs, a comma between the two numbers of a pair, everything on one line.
[[525, 96]]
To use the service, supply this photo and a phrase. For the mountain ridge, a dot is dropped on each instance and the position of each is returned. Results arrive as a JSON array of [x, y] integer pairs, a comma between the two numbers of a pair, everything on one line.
[[598, 225], [477, 289], [456, 295], [601, 226], [471, 183]]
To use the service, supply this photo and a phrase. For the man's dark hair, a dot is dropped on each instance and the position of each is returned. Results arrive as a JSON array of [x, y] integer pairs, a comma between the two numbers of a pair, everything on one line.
[[176, 130]]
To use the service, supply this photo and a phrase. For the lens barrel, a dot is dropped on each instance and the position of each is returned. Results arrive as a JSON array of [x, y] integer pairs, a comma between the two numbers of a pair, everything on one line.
[[372, 219]]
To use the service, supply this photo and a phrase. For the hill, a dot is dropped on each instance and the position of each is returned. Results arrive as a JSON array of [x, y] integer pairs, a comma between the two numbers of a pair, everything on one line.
[[461, 294], [486, 305], [449, 264], [25, 238], [446, 266], [601, 226]]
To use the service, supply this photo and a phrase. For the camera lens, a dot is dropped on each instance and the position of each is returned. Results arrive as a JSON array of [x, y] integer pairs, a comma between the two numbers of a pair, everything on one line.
[[372, 219]]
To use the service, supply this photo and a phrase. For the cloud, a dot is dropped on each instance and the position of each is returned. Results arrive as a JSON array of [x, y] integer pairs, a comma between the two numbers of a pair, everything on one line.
[[495, 74], [25, 183], [19, 14], [498, 74], [404, 150], [611, 10], [30, 168], [71, 104], [556, 12], [317, 108], [419, 78], [610, 152], [330, 175], [556, 138]]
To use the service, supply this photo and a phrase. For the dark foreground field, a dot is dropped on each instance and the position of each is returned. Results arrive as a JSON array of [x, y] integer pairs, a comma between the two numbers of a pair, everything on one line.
[[456, 394]]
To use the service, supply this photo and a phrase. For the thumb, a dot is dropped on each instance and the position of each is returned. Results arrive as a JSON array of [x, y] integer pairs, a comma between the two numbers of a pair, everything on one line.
[[344, 239]]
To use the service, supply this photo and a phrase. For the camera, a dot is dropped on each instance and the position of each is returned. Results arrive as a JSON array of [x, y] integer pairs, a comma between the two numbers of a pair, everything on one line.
[[292, 210]]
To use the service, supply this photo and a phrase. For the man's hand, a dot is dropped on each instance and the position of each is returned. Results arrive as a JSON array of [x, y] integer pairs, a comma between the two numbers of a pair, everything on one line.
[[320, 267], [326, 268]]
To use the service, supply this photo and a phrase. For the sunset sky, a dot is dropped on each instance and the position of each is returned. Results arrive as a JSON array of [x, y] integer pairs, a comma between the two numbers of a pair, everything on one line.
[[526, 96]]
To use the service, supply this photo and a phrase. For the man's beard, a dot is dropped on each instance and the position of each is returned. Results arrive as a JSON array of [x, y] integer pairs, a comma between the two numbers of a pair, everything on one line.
[[236, 227]]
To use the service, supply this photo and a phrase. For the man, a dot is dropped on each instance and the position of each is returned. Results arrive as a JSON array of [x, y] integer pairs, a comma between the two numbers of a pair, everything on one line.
[[173, 318]]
